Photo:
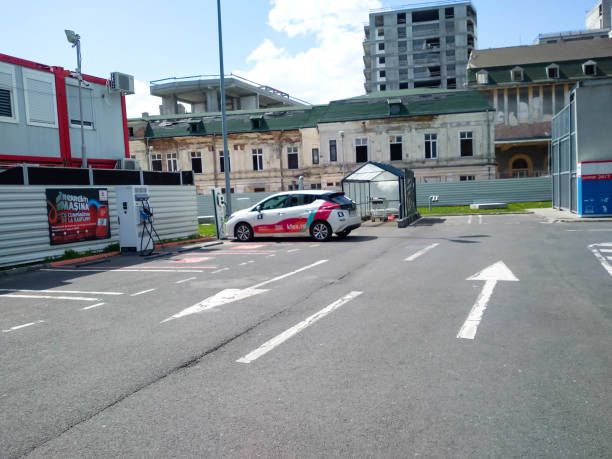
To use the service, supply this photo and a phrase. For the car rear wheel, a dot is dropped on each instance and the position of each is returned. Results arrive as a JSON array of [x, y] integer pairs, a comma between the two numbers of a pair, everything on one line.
[[320, 231], [243, 232], [343, 234]]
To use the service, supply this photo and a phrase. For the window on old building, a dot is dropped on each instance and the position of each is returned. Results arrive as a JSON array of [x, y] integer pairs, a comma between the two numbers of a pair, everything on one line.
[[333, 151], [382, 73], [171, 162], [380, 33], [292, 158], [315, 156], [257, 158], [382, 87], [431, 146], [467, 178], [156, 162], [196, 162], [222, 162], [315, 186], [401, 18], [466, 144], [381, 60], [449, 13], [130, 129], [403, 85], [379, 21], [361, 150], [516, 74], [552, 71], [395, 147], [589, 68], [381, 47]]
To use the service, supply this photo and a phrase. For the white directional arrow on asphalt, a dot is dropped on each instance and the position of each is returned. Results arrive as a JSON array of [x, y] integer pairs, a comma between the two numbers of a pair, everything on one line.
[[491, 275]]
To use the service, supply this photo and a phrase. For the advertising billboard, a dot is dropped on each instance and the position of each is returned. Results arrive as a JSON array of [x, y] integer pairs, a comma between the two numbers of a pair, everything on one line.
[[77, 214]]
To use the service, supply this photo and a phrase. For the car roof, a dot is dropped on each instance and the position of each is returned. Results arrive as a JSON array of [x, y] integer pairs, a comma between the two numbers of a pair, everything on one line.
[[316, 192]]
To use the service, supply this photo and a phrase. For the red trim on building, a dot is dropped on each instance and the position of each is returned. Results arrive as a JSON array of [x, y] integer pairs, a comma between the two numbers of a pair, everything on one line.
[[594, 162], [29, 159], [23, 63], [62, 114], [126, 134]]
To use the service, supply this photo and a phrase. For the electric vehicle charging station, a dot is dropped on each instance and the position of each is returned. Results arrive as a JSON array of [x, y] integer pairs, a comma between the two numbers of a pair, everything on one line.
[[219, 205], [135, 219]]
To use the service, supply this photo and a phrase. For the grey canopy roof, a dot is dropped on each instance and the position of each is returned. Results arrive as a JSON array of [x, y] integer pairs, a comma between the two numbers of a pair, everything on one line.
[[375, 172]]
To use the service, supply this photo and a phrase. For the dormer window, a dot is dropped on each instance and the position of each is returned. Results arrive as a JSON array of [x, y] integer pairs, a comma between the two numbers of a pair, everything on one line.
[[589, 68], [516, 74], [395, 106], [257, 121], [482, 77], [552, 71]]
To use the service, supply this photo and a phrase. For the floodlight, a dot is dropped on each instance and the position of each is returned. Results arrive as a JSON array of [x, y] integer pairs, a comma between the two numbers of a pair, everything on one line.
[[71, 36]]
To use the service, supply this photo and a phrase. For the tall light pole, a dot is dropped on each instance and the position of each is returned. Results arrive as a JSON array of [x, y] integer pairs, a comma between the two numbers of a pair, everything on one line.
[[226, 159], [75, 40]]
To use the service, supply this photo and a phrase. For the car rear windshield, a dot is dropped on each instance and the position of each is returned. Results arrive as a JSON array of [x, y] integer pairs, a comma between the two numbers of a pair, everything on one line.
[[338, 198]]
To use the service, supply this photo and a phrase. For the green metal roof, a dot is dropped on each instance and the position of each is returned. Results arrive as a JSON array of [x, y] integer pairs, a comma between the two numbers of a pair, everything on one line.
[[536, 73], [372, 106]]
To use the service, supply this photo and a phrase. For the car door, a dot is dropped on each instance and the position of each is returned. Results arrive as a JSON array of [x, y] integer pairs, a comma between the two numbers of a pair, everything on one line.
[[269, 216], [296, 213]]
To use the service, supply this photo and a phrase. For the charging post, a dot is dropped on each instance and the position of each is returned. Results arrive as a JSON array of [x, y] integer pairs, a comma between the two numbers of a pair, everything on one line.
[[219, 208], [135, 220]]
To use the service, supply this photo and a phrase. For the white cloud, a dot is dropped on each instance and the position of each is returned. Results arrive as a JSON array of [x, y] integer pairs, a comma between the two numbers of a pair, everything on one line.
[[333, 68], [141, 101]]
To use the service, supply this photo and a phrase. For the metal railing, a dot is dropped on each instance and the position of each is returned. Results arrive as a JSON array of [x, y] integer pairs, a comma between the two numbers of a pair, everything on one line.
[[262, 87]]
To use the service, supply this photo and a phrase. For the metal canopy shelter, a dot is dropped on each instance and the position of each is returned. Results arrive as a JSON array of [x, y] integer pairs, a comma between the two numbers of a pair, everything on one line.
[[381, 190]]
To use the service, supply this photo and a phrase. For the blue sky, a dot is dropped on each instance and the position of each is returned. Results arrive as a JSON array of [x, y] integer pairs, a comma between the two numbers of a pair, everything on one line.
[[309, 48]]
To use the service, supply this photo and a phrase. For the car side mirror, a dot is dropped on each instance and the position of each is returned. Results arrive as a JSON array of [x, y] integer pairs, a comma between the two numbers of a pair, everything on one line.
[[258, 208]]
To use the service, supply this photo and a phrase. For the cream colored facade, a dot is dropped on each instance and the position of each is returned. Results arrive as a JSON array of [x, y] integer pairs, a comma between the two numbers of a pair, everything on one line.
[[377, 135]]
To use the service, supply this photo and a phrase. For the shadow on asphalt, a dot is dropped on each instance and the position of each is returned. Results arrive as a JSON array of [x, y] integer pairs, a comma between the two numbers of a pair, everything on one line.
[[429, 221], [280, 240]]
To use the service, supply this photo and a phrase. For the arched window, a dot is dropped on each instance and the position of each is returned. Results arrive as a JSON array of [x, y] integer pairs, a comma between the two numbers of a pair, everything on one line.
[[520, 164]]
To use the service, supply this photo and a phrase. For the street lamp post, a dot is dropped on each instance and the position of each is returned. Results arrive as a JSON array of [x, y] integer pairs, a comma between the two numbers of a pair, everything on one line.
[[226, 159], [75, 40]]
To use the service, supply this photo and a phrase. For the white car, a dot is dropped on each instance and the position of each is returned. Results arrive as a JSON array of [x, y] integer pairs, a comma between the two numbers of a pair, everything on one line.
[[297, 213]]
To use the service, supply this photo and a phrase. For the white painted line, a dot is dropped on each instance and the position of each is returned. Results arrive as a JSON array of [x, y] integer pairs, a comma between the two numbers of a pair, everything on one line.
[[129, 270], [185, 280], [272, 255], [274, 279], [251, 261], [314, 245], [421, 252], [480, 219], [606, 250], [470, 220], [232, 294], [92, 306], [143, 292], [470, 326], [609, 258], [48, 297], [243, 263], [58, 291], [279, 339], [293, 250], [220, 270], [22, 326], [604, 263], [223, 297], [491, 275]]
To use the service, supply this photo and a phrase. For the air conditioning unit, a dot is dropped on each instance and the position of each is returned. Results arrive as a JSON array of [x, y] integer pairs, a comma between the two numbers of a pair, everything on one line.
[[129, 164], [122, 82]]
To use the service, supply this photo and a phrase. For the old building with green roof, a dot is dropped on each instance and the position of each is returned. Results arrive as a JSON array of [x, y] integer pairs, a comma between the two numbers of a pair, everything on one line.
[[443, 135], [528, 85]]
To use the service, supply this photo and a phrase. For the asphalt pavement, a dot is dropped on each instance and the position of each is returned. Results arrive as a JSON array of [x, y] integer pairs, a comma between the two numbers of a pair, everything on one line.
[[465, 336]]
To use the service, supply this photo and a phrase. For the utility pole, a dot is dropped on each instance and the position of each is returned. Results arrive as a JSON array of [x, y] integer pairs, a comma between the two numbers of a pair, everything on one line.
[[226, 158], [75, 40]]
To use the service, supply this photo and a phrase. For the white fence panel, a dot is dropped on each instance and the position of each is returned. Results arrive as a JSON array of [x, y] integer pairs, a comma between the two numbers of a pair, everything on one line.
[[24, 227]]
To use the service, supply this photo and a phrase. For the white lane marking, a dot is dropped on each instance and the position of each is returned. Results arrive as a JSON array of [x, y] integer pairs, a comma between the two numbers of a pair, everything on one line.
[[57, 291], [609, 258], [606, 250], [589, 230], [314, 245], [284, 336], [223, 297], [243, 263], [129, 270], [470, 220], [22, 326], [92, 306], [594, 248], [185, 280], [272, 255], [220, 270], [143, 292], [233, 294], [293, 250], [48, 297], [491, 275], [277, 278], [480, 219], [421, 252]]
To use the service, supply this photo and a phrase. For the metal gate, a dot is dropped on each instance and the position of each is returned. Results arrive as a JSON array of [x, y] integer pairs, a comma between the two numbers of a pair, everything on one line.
[[563, 159]]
